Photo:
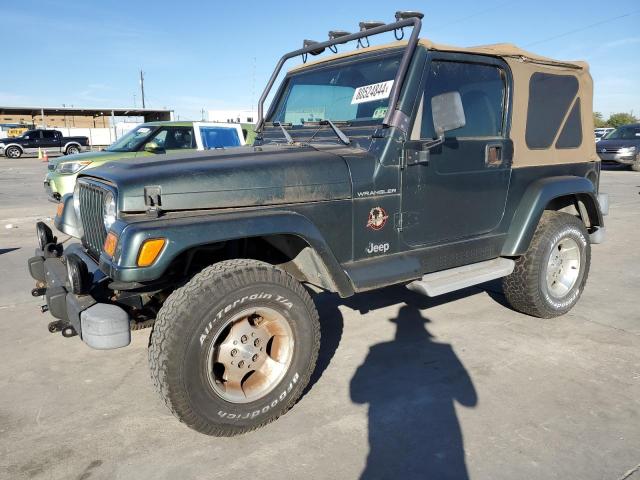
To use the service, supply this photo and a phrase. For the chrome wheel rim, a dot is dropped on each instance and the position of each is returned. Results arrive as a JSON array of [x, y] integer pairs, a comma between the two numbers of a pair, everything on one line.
[[250, 355], [563, 267], [13, 152]]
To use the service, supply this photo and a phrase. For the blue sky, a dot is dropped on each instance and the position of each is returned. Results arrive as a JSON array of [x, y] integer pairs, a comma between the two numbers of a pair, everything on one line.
[[210, 54]]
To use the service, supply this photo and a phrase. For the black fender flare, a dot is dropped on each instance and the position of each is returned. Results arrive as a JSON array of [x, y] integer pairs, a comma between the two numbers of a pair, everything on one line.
[[534, 201], [187, 232]]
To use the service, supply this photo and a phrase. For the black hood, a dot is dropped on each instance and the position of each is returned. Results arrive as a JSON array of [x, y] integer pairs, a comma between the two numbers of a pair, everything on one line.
[[237, 177]]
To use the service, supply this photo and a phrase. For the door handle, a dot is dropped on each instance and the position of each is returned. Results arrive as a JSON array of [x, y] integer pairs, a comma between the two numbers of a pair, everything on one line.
[[493, 155]]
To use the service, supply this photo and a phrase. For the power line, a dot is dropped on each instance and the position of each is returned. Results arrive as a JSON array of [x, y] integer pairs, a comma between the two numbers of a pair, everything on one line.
[[476, 14], [586, 27]]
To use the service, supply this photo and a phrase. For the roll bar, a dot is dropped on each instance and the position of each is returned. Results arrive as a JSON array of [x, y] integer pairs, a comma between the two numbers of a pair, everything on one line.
[[390, 118]]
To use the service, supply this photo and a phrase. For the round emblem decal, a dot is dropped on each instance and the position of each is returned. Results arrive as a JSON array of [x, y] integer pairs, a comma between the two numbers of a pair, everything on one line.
[[377, 218]]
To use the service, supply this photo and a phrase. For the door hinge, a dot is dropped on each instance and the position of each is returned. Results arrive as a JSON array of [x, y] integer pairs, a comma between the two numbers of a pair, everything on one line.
[[404, 220], [397, 218]]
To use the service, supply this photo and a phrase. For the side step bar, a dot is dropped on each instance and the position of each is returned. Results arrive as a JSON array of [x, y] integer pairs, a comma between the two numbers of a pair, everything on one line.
[[445, 281]]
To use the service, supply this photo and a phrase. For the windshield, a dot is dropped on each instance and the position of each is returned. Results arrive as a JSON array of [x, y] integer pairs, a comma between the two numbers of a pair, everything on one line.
[[356, 91], [131, 141], [624, 133]]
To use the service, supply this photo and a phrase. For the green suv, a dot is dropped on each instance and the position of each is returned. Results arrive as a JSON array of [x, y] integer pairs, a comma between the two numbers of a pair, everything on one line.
[[145, 140], [412, 163]]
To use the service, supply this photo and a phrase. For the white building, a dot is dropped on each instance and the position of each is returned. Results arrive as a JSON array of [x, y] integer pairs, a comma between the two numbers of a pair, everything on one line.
[[233, 116]]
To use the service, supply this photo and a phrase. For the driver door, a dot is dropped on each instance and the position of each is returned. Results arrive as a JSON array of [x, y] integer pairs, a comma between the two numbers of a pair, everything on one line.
[[458, 189]]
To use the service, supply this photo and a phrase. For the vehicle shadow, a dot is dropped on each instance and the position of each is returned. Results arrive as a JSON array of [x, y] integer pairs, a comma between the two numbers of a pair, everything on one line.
[[332, 321], [8, 250], [411, 385]]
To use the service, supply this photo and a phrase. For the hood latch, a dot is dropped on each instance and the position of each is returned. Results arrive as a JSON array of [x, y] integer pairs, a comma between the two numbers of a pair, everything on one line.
[[153, 200]]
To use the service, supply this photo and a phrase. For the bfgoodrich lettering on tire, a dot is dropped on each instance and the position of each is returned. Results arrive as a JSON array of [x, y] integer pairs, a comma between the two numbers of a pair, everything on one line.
[[234, 348], [548, 280]]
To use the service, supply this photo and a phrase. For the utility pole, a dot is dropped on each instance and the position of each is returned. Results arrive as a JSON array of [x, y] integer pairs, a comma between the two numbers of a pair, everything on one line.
[[142, 86]]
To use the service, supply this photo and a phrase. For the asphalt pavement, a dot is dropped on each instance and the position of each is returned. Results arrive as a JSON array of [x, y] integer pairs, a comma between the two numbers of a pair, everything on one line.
[[458, 386]]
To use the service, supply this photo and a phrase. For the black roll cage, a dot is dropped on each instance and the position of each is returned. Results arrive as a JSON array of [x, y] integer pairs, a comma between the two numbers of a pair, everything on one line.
[[391, 119]]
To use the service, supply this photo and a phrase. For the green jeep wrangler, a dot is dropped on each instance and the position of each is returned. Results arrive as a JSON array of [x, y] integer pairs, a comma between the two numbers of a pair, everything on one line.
[[410, 163]]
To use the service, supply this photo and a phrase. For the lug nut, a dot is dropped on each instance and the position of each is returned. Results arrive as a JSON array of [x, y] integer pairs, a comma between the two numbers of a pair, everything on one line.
[[255, 357], [243, 339], [234, 352], [241, 364], [256, 342]]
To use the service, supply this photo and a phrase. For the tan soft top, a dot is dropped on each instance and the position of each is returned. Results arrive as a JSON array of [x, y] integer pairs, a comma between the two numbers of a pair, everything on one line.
[[523, 65]]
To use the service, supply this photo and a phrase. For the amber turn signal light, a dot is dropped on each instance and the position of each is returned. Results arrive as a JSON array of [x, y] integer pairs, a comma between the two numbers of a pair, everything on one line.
[[110, 243], [149, 251], [60, 209]]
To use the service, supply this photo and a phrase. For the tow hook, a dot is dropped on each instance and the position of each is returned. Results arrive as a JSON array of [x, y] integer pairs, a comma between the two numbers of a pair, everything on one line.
[[55, 326], [44, 308], [69, 331], [38, 292]]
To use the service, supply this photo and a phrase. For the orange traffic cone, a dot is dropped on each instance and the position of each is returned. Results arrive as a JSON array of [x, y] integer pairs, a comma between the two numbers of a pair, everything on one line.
[[45, 157]]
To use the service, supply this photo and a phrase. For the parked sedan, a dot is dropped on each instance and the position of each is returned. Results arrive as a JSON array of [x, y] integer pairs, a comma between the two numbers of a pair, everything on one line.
[[621, 146]]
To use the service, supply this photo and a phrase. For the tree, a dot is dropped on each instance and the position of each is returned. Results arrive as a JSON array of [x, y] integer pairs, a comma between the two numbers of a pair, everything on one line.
[[618, 119], [598, 120]]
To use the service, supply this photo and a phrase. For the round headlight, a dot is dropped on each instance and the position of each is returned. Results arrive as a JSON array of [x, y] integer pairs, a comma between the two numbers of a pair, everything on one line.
[[110, 211]]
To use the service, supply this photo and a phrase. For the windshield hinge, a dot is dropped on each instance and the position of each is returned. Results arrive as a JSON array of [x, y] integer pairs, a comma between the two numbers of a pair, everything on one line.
[[153, 200]]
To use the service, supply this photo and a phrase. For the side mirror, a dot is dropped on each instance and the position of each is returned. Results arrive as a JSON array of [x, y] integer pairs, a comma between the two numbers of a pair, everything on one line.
[[153, 147], [448, 113]]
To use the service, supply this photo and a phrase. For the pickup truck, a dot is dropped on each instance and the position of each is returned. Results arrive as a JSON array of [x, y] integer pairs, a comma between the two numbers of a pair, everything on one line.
[[50, 140]]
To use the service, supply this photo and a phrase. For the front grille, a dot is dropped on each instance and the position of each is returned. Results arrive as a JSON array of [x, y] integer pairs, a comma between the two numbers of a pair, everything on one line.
[[607, 150], [91, 198]]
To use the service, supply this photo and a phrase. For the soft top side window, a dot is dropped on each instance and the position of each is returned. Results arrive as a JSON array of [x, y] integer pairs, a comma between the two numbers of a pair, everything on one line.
[[550, 98], [482, 88]]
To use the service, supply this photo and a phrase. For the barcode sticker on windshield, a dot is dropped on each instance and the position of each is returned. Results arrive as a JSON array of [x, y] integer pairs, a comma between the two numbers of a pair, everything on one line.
[[369, 93]]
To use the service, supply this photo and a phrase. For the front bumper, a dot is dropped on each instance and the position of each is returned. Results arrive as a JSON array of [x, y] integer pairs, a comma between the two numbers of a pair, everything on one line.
[[622, 159], [99, 323]]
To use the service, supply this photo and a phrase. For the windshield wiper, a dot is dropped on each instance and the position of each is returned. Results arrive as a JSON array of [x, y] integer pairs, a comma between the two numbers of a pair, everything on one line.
[[340, 134], [286, 134], [343, 138]]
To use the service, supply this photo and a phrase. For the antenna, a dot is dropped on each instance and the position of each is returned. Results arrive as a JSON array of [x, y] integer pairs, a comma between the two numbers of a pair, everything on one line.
[[142, 86]]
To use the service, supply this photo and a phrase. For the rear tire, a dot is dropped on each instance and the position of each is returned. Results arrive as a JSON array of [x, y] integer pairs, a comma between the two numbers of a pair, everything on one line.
[[221, 385], [13, 152], [72, 150], [549, 278]]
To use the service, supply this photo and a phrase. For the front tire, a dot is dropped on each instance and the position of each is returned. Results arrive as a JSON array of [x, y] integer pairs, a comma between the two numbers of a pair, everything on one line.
[[13, 152], [234, 348], [549, 278]]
